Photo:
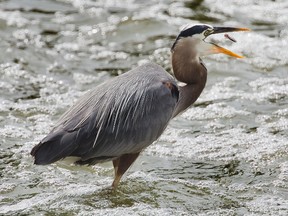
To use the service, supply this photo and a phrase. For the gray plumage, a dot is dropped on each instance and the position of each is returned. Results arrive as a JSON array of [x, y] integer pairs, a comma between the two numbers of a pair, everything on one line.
[[120, 116]]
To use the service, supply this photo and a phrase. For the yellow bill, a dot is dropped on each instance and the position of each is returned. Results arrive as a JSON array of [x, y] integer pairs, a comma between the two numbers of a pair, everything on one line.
[[218, 49]]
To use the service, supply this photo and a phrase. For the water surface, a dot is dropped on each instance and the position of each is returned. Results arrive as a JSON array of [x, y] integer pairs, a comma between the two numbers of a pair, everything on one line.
[[227, 155]]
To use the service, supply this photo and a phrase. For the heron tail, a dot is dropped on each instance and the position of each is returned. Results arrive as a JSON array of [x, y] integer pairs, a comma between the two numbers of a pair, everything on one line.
[[56, 146]]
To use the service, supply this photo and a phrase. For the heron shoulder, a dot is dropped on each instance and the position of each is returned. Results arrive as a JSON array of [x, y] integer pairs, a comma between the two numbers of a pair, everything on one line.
[[148, 72]]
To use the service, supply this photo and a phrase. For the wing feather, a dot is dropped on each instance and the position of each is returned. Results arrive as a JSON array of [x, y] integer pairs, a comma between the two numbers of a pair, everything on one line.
[[123, 115]]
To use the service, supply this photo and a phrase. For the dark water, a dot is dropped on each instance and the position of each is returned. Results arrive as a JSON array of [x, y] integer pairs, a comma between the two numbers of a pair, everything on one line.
[[227, 155]]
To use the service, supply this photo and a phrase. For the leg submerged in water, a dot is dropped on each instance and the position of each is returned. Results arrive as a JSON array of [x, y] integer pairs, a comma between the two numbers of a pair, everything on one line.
[[121, 165]]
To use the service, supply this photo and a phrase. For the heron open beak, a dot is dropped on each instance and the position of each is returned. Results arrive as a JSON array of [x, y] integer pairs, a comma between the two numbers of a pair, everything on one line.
[[218, 49]]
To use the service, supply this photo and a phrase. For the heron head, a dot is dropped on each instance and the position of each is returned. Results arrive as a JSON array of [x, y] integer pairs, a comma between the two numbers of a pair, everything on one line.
[[199, 32]]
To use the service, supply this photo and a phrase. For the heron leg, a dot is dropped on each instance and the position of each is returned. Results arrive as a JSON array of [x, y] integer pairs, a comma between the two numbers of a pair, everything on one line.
[[116, 164], [121, 165]]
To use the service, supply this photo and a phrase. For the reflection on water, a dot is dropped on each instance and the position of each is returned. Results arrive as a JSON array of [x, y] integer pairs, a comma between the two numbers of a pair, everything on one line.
[[227, 155]]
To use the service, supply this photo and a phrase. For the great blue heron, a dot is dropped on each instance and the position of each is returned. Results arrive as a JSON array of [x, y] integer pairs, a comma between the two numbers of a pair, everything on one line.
[[121, 117]]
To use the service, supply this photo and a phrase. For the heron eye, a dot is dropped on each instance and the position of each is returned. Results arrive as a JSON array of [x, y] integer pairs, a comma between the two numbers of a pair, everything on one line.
[[208, 32]]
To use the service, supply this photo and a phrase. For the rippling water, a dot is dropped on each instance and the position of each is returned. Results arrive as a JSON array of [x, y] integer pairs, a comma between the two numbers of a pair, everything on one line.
[[227, 155]]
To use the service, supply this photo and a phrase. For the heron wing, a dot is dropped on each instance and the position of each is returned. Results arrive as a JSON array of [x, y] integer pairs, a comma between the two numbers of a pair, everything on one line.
[[123, 115]]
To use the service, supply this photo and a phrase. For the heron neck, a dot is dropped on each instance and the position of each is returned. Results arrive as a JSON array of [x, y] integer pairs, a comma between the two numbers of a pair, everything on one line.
[[188, 68]]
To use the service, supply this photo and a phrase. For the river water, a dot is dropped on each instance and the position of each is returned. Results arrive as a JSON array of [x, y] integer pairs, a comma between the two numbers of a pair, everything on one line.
[[227, 155]]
